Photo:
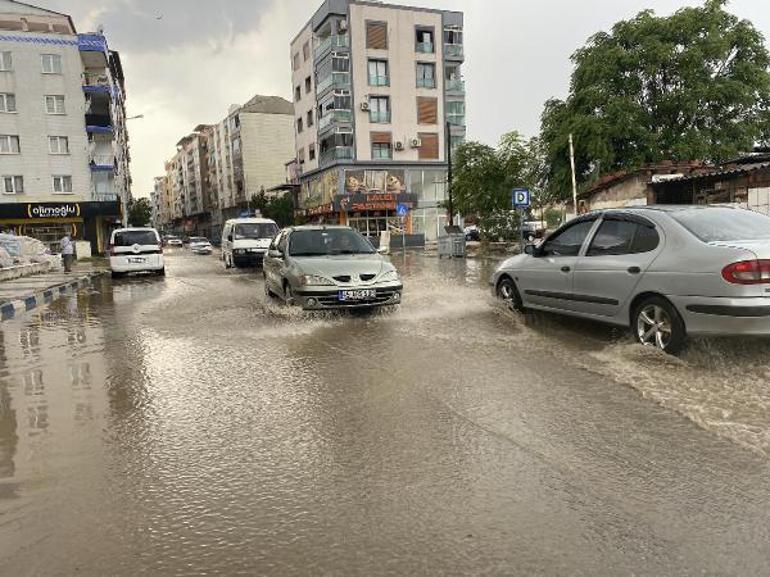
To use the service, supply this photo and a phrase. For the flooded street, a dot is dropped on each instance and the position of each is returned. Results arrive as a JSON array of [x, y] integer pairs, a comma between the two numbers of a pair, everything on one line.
[[190, 426]]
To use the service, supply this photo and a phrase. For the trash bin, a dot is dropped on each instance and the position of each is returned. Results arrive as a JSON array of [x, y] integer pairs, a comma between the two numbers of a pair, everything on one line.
[[451, 245]]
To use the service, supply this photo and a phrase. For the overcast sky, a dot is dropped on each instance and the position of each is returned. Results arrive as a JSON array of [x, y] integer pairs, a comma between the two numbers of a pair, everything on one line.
[[186, 61]]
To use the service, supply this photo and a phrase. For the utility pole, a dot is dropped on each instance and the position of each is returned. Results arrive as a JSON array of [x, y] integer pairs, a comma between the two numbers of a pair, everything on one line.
[[574, 181], [448, 139]]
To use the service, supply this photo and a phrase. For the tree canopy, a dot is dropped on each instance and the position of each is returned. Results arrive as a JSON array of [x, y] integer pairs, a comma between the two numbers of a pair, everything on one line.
[[690, 86], [139, 211]]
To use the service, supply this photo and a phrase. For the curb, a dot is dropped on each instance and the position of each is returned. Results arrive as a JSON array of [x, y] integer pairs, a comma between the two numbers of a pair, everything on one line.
[[12, 309]]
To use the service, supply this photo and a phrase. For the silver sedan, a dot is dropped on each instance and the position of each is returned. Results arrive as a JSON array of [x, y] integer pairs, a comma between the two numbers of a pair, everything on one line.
[[665, 271], [329, 267]]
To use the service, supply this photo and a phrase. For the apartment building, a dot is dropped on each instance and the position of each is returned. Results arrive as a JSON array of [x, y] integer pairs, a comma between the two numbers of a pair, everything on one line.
[[64, 159], [378, 97], [161, 201], [219, 167]]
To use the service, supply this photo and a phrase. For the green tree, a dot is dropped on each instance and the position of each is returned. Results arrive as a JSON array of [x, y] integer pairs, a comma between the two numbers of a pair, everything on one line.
[[278, 208], [139, 212], [691, 86]]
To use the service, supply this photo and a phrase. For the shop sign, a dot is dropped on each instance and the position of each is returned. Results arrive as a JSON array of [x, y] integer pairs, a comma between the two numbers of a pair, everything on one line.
[[322, 209], [64, 210]]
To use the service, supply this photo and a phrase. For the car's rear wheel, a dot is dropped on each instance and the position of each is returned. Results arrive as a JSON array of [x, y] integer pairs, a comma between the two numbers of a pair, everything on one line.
[[507, 291], [116, 274], [162, 272], [656, 323]]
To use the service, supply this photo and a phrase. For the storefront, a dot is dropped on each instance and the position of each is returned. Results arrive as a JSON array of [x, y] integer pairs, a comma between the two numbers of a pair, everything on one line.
[[50, 221]]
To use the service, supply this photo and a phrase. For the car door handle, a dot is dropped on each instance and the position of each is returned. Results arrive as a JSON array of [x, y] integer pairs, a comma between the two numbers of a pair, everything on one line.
[[565, 269], [634, 270]]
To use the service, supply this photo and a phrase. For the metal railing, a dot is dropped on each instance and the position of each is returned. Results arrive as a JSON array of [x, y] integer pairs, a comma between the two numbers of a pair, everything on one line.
[[103, 159], [453, 50], [426, 82], [379, 116], [455, 85], [95, 80], [336, 153], [334, 41], [425, 47], [333, 117], [378, 80], [456, 119]]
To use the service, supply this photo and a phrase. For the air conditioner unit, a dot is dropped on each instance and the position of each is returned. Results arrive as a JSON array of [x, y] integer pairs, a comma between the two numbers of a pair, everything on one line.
[[416, 143], [365, 106], [399, 145]]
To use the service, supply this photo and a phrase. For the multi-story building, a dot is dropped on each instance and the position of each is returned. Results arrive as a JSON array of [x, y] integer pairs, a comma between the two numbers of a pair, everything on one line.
[[218, 168], [64, 160], [161, 202], [378, 97]]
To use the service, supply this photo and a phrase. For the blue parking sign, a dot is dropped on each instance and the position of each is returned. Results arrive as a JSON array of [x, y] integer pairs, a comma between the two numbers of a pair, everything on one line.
[[520, 198]]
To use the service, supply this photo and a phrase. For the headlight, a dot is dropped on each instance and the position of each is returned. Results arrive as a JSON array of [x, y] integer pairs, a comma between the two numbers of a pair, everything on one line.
[[239, 251], [314, 280], [387, 276]]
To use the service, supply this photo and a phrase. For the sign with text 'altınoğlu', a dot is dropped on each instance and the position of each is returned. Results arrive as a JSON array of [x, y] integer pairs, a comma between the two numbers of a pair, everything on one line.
[[51, 210]]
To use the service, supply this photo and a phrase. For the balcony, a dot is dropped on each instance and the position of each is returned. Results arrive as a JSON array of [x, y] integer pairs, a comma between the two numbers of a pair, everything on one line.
[[104, 196], [336, 153], [379, 116], [334, 117], [453, 51], [93, 50], [378, 80], [331, 43], [96, 84], [455, 119], [98, 124], [102, 162], [455, 85], [425, 47], [337, 80]]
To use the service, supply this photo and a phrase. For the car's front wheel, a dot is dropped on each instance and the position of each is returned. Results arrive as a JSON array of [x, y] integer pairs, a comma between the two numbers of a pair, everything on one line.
[[507, 291], [656, 323], [288, 293]]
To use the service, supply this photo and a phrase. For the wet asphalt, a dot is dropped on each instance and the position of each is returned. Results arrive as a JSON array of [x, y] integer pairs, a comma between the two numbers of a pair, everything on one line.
[[191, 426]]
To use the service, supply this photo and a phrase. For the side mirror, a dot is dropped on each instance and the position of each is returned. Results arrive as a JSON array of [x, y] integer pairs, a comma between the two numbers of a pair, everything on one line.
[[274, 253], [532, 250], [229, 238]]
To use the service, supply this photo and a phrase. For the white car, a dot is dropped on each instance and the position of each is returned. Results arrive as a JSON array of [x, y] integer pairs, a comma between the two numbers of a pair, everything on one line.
[[136, 250], [173, 241], [200, 245]]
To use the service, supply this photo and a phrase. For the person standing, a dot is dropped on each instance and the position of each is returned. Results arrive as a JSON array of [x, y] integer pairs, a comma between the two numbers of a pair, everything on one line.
[[67, 252]]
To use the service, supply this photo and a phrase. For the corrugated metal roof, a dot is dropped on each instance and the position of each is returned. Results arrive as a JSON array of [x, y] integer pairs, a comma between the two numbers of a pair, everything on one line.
[[741, 169]]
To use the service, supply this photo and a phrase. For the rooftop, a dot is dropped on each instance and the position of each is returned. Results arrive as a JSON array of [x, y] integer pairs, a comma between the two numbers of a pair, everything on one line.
[[268, 105]]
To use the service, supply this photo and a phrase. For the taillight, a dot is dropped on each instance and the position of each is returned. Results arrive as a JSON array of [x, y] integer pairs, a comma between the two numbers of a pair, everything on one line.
[[747, 272]]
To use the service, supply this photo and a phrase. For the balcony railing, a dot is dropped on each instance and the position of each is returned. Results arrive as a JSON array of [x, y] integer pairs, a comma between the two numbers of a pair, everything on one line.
[[334, 117], [378, 80], [330, 42], [104, 196], [339, 80], [425, 47], [336, 153], [453, 50], [379, 116], [456, 119], [102, 161], [455, 85], [426, 82]]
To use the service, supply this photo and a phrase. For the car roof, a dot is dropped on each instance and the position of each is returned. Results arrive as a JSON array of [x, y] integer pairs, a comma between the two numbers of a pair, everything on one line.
[[134, 228], [320, 227], [252, 220]]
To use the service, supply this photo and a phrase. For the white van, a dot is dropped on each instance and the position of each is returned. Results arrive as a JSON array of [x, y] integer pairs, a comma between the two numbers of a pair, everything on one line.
[[246, 240], [136, 250]]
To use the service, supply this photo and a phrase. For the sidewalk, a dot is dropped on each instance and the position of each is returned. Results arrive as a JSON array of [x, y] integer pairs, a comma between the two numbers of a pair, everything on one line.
[[24, 294]]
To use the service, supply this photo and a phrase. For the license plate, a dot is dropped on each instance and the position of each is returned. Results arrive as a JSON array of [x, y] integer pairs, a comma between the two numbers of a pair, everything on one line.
[[358, 295], [137, 260]]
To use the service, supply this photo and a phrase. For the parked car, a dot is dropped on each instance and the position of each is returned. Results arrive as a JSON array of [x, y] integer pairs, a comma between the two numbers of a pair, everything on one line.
[[245, 241], [664, 271], [136, 250], [173, 241], [200, 245], [329, 267], [472, 233], [531, 230]]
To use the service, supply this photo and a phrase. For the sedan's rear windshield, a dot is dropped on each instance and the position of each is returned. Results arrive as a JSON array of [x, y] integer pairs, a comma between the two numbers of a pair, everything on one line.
[[255, 230], [716, 224], [132, 237], [198, 239]]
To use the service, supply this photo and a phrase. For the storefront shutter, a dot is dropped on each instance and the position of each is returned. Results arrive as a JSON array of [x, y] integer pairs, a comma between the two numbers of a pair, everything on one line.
[[377, 35], [427, 110], [429, 148], [381, 137]]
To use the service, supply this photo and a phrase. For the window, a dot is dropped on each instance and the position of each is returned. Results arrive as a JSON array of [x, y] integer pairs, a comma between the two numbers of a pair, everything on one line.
[[7, 102], [379, 109], [51, 63], [378, 73], [6, 61], [62, 184], [58, 145], [381, 150], [377, 35], [308, 84], [54, 104], [455, 112], [719, 224], [9, 144], [428, 146], [132, 237], [299, 125], [425, 41], [297, 94], [568, 241], [13, 184], [301, 155], [427, 110], [295, 62], [311, 152], [426, 75], [309, 118], [618, 237], [306, 51]]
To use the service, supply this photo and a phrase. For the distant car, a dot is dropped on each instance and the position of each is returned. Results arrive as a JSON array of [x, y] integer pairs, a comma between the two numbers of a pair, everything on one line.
[[136, 250], [329, 267], [532, 230], [173, 241], [664, 271], [200, 245], [472, 233]]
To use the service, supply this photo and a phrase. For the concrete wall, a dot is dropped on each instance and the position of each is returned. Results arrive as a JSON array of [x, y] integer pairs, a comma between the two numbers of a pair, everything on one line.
[[307, 100], [402, 63], [630, 192], [267, 142]]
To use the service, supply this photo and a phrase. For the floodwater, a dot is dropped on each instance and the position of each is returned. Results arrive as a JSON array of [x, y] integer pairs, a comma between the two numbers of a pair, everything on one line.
[[190, 426]]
